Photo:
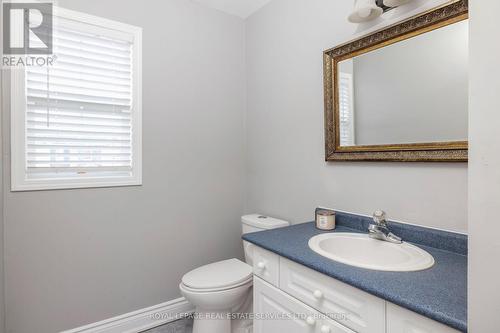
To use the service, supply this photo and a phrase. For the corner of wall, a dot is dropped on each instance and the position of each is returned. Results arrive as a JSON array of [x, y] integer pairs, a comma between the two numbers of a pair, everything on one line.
[[484, 168]]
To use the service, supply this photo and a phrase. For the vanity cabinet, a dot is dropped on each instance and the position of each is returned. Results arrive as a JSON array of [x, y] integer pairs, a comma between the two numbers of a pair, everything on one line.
[[291, 298]]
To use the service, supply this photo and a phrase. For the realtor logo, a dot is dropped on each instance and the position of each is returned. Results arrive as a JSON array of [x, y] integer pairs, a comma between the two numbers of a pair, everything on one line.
[[27, 28]]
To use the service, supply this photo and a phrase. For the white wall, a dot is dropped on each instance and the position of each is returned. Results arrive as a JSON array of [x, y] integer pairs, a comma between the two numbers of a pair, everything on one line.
[[484, 168], [287, 175], [79, 256]]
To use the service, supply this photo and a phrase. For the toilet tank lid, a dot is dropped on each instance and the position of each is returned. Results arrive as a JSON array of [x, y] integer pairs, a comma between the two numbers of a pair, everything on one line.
[[263, 222]]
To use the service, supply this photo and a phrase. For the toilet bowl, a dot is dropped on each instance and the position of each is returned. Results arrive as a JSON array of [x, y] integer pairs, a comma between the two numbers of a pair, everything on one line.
[[216, 290], [222, 292]]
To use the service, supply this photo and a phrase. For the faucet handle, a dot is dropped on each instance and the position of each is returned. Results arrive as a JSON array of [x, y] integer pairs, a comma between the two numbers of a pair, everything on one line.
[[379, 217]]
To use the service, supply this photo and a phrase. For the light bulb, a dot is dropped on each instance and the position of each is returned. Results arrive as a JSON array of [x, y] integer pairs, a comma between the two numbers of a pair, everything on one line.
[[365, 10]]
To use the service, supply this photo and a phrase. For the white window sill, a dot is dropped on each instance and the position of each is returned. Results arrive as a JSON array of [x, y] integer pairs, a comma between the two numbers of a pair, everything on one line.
[[68, 184]]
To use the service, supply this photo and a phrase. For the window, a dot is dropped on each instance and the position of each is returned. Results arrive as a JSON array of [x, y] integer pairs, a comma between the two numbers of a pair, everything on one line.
[[346, 110], [77, 123]]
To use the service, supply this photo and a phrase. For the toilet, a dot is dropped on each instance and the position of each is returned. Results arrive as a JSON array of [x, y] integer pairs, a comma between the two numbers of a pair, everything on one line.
[[221, 290]]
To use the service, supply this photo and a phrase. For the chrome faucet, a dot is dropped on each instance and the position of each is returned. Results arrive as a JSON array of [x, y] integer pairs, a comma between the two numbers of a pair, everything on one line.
[[379, 230]]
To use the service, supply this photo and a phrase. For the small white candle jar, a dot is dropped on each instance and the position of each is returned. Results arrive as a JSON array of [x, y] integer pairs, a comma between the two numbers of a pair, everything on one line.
[[325, 219]]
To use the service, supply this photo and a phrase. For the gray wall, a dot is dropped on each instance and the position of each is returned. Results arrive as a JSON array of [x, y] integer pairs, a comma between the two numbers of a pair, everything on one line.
[[79, 256], [2, 294], [484, 172], [415, 90], [2, 276], [2, 100], [287, 175]]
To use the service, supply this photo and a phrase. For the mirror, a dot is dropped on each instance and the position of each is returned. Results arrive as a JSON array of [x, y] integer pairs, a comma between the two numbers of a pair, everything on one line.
[[402, 98], [414, 91]]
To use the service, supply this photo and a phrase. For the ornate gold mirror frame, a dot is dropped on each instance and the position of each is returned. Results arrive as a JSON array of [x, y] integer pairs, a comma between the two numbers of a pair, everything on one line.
[[418, 152]]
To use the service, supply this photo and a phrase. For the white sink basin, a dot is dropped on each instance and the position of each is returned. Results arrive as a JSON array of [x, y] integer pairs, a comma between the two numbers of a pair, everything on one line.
[[362, 251]]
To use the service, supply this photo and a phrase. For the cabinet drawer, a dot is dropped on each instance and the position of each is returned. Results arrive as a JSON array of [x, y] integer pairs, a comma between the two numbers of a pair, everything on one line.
[[266, 265], [353, 308], [328, 325], [276, 311], [400, 320]]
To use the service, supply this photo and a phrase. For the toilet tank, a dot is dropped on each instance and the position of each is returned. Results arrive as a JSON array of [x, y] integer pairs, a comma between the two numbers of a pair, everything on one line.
[[257, 222]]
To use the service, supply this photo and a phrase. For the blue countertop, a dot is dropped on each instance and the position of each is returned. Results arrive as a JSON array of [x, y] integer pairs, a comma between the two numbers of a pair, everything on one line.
[[439, 293]]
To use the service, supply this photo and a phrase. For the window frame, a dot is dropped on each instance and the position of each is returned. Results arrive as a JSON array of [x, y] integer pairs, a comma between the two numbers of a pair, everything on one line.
[[19, 179]]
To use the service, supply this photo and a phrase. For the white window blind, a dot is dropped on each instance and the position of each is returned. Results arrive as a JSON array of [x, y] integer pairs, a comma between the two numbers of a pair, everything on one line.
[[346, 113], [79, 114]]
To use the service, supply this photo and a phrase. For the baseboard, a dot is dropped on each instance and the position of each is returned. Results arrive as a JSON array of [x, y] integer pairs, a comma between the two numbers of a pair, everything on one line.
[[140, 320]]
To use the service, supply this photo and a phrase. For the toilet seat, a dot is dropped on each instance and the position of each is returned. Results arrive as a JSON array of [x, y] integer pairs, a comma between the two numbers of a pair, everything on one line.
[[214, 290], [218, 276]]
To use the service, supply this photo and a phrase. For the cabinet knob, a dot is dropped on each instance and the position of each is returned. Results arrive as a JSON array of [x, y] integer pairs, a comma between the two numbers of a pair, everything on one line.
[[318, 294], [261, 265], [310, 321], [325, 329]]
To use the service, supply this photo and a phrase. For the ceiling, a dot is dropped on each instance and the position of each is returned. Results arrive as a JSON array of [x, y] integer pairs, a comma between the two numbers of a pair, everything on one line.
[[241, 8]]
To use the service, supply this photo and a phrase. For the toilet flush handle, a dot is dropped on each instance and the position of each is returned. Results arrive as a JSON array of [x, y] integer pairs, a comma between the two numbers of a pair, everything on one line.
[[261, 265]]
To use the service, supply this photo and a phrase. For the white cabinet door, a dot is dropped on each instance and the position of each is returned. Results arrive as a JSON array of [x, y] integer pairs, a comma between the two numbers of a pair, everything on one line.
[[351, 307], [400, 320], [266, 265], [277, 312]]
